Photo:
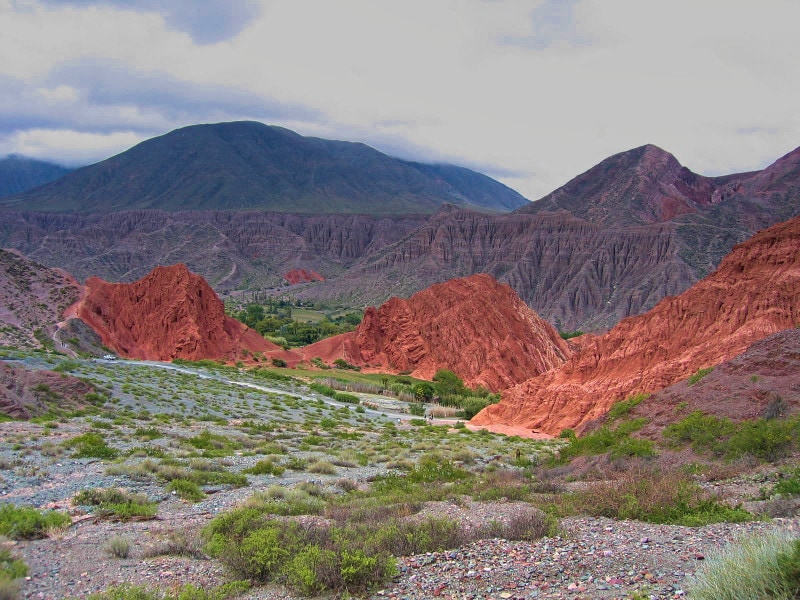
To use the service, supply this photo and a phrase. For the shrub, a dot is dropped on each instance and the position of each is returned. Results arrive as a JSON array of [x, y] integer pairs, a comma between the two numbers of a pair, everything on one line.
[[417, 409], [11, 567], [118, 547], [91, 445], [473, 406], [266, 467], [767, 439], [213, 444], [322, 467], [656, 497], [703, 432], [279, 362], [186, 490], [789, 486], [348, 398], [26, 523], [117, 504], [763, 566]]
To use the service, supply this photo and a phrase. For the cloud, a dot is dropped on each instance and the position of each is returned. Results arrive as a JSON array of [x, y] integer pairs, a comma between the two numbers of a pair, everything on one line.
[[206, 21], [66, 147], [530, 91]]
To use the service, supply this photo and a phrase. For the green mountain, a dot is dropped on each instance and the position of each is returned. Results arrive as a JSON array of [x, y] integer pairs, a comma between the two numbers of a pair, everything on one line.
[[252, 166]]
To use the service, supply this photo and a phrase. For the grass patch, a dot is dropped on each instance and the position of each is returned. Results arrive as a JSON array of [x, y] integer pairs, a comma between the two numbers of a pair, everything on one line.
[[763, 566], [698, 375], [188, 591]]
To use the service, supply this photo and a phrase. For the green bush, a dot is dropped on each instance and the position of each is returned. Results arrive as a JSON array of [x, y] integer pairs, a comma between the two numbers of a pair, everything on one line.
[[265, 467], [703, 432], [26, 523], [117, 504], [91, 445], [789, 486], [473, 406], [213, 444], [417, 409], [348, 398], [323, 389], [11, 567], [767, 439], [186, 490]]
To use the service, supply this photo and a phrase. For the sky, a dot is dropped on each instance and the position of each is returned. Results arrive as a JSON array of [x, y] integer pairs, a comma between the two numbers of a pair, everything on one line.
[[530, 92]]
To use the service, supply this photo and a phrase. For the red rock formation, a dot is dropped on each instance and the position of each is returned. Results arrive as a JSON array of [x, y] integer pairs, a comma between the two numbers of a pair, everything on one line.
[[474, 326], [755, 292], [302, 276], [170, 313]]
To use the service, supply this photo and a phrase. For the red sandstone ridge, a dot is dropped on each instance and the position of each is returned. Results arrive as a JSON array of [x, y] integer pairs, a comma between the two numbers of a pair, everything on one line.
[[755, 292], [302, 276], [170, 313], [475, 326]]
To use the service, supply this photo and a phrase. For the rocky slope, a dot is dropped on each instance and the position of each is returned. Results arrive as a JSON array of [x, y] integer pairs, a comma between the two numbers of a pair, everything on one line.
[[26, 393], [171, 313], [573, 273], [474, 326], [32, 300], [755, 292], [763, 381], [229, 249], [19, 174], [249, 165]]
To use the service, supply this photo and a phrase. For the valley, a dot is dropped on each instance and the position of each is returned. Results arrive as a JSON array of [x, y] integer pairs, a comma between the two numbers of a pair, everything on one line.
[[577, 397], [190, 443]]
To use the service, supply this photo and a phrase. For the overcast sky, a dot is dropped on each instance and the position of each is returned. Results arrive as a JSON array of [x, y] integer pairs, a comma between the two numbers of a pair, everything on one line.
[[531, 92]]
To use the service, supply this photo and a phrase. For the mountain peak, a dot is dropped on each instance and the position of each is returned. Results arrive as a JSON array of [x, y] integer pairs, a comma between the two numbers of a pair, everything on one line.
[[246, 165]]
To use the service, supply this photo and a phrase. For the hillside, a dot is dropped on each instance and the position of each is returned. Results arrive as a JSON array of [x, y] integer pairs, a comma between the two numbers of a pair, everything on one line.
[[252, 166], [32, 301], [474, 326], [760, 382], [20, 174], [755, 292]]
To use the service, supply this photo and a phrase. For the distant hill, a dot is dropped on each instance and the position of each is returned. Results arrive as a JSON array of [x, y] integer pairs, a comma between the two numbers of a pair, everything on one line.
[[252, 166], [20, 174]]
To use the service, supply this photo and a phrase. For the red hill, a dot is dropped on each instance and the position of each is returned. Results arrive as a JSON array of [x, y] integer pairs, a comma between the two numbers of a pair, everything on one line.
[[474, 326], [755, 292], [170, 313], [302, 276]]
